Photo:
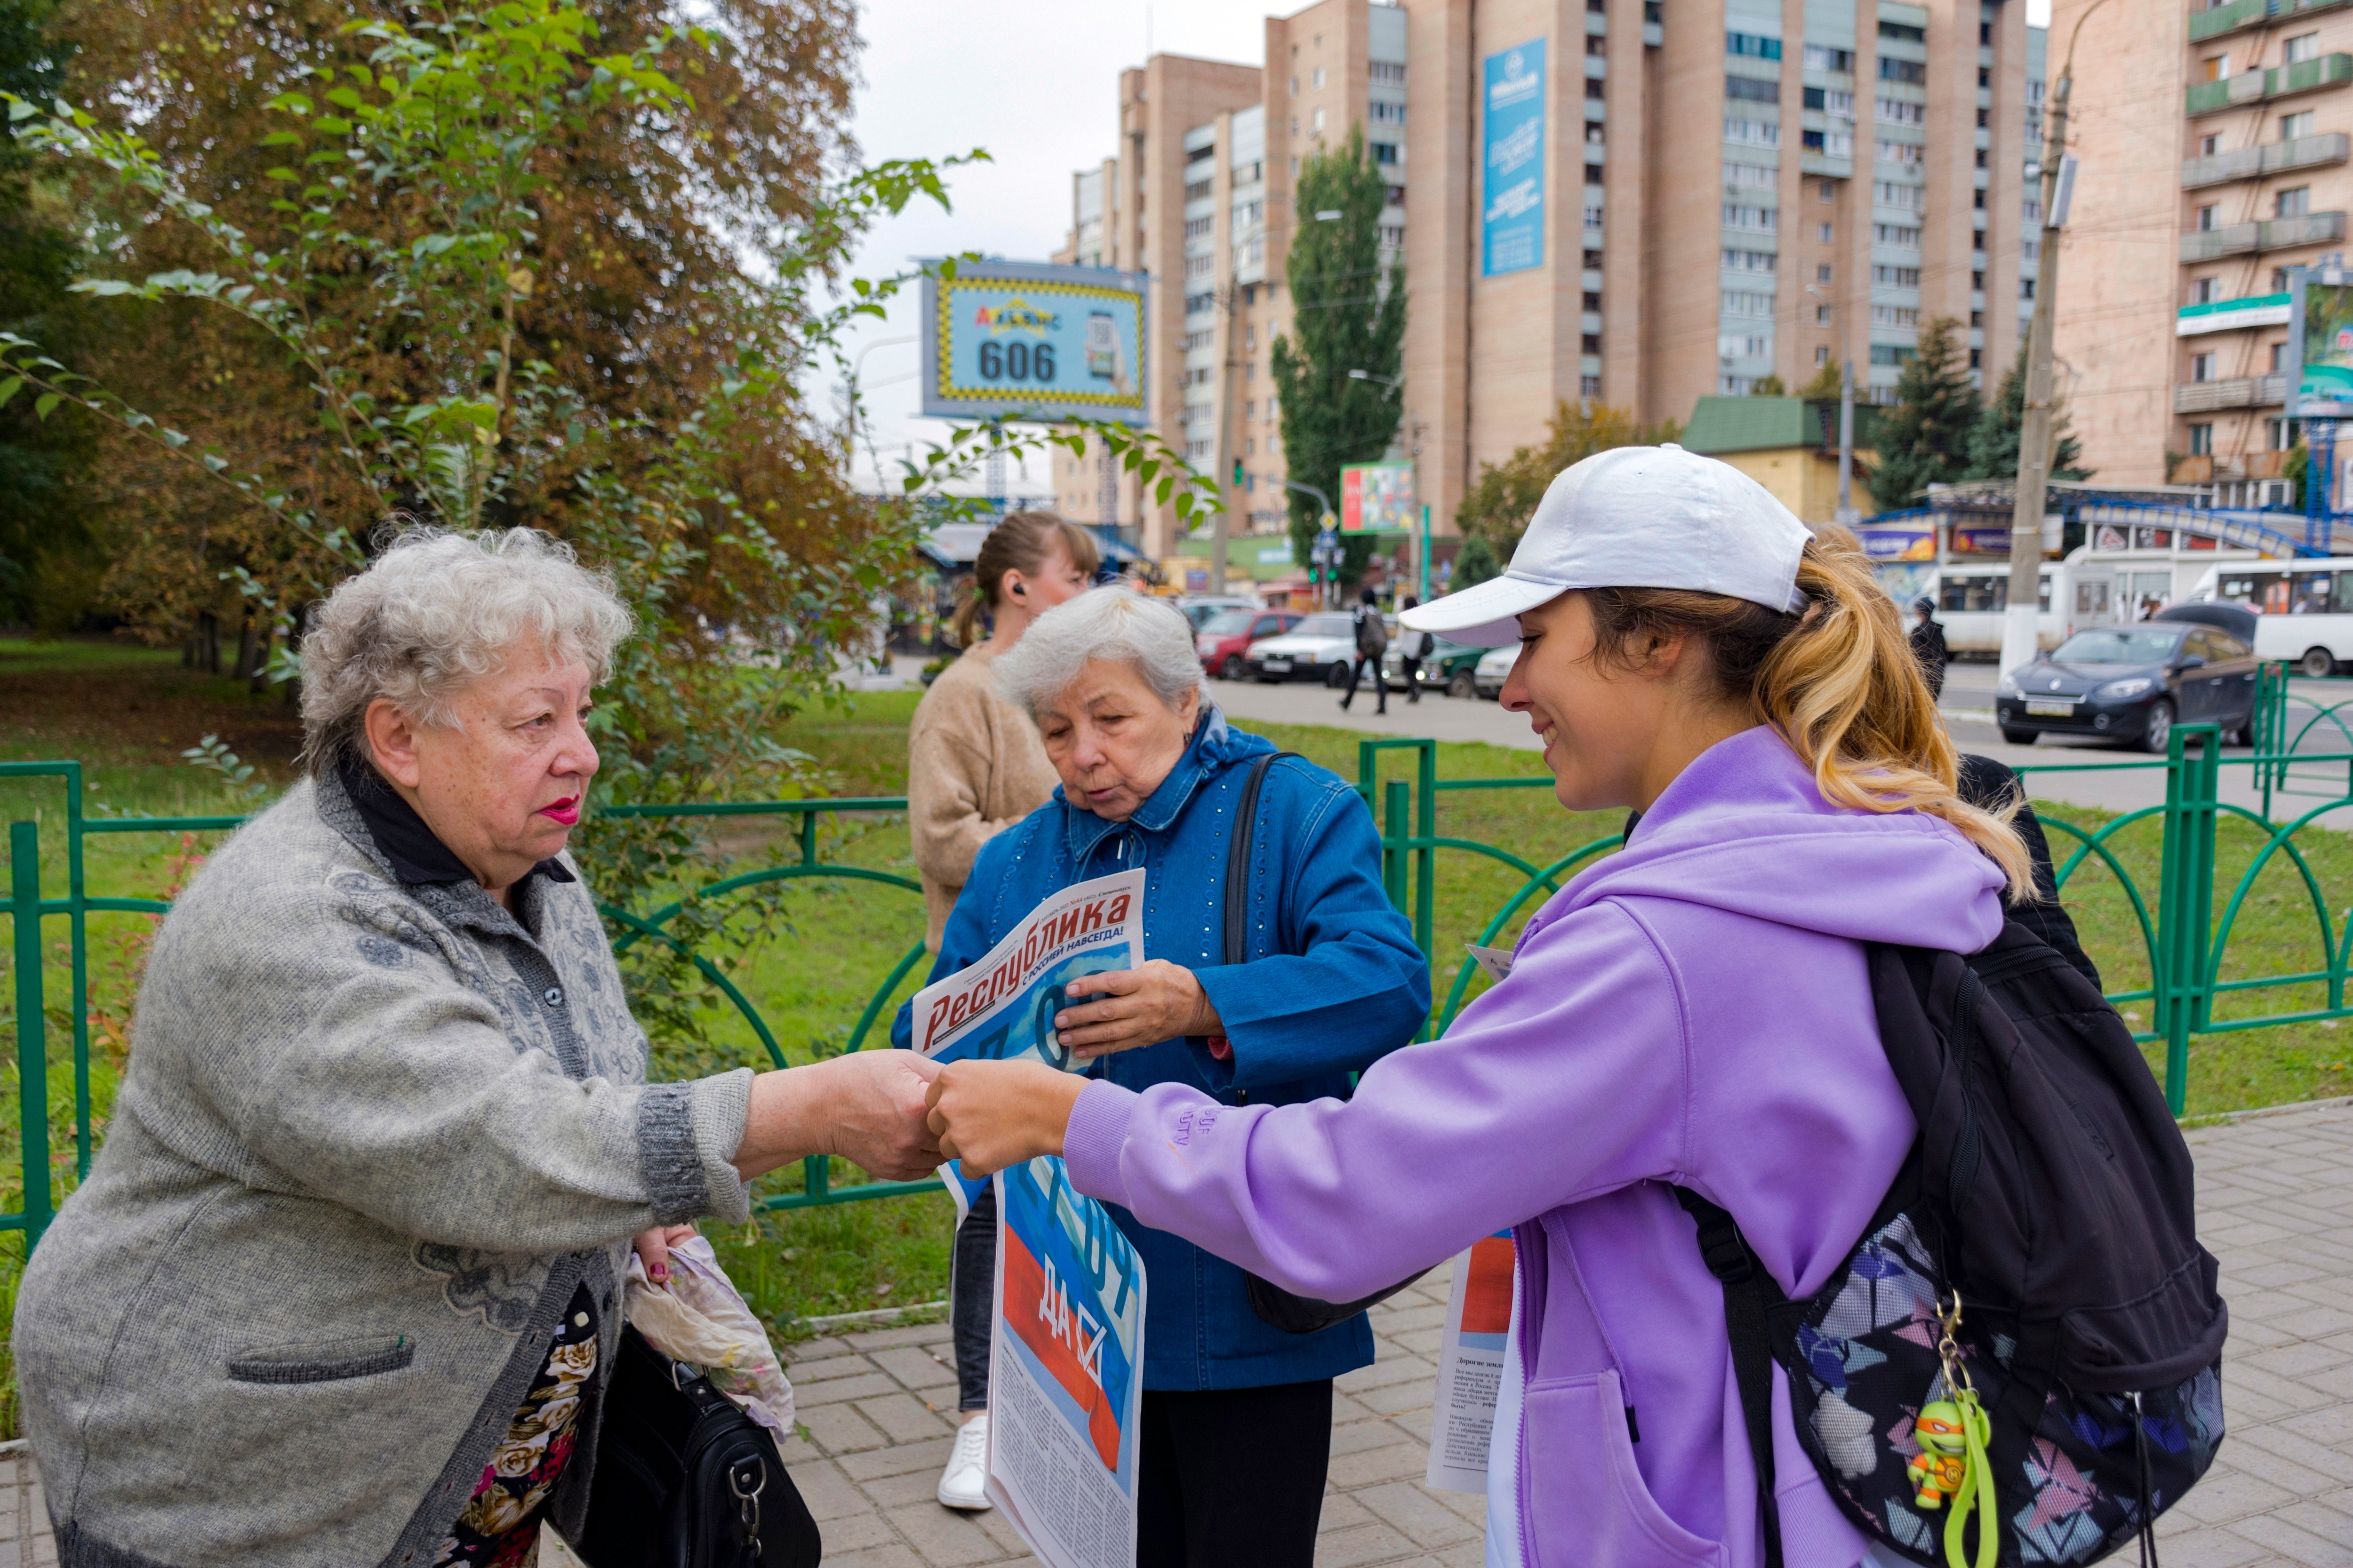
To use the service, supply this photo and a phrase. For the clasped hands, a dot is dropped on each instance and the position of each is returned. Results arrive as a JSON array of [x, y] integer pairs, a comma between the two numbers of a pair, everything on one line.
[[994, 1114], [900, 1115]]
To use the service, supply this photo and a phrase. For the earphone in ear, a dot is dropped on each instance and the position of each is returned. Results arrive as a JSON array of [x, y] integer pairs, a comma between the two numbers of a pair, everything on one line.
[[1020, 591]]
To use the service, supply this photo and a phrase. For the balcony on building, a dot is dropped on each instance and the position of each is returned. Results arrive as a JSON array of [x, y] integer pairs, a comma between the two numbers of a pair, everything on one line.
[[2231, 315], [2252, 239], [2263, 86], [2216, 21], [2270, 158], [2238, 392], [2205, 467]]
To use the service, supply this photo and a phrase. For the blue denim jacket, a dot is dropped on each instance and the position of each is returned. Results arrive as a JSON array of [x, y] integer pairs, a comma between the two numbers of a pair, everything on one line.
[[1335, 983]]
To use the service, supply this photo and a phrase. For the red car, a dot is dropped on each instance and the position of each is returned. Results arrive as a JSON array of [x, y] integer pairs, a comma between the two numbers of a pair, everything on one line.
[[1225, 635]]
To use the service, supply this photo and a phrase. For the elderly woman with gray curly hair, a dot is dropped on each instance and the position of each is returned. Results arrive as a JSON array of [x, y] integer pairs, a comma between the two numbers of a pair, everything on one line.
[[343, 1285]]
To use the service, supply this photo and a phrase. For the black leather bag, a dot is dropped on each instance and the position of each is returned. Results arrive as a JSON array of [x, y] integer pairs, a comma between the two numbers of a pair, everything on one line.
[[685, 1480], [1285, 1310]]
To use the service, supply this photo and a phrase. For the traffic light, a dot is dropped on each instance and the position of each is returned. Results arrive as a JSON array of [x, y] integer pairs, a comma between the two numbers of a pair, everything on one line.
[[1238, 473]]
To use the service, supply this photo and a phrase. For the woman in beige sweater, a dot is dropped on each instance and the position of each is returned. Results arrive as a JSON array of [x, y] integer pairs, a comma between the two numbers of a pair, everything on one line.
[[974, 767]]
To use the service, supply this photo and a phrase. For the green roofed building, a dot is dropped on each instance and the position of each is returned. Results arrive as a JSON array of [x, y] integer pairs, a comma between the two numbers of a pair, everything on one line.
[[1788, 445]]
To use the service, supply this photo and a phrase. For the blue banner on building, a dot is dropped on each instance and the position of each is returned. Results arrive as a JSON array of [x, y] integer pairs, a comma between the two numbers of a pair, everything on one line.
[[1512, 225]]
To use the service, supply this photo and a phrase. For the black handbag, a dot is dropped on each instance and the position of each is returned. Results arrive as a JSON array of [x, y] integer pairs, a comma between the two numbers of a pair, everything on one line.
[[685, 1480], [1285, 1310]]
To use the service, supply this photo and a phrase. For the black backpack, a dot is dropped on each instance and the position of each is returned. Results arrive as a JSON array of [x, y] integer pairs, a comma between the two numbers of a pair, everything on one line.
[[2049, 1194], [1372, 632], [685, 1480]]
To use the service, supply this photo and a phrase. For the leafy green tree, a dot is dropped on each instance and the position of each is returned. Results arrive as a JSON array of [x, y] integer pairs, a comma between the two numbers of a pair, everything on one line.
[[1769, 385], [1993, 445], [1497, 507], [1474, 564], [45, 559], [1347, 308], [1824, 385], [1924, 437], [397, 275], [665, 239]]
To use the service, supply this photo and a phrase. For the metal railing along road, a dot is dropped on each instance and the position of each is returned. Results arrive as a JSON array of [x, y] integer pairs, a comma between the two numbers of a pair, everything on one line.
[[2183, 938]]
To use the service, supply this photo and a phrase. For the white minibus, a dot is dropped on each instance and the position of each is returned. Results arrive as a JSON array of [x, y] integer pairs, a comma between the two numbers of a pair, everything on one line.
[[1970, 601], [2304, 608]]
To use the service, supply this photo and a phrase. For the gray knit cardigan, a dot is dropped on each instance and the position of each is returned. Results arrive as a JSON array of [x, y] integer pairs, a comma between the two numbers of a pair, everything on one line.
[[371, 1138]]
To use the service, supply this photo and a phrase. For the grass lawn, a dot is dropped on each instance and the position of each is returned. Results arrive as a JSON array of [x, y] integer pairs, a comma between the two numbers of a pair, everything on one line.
[[126, 713]]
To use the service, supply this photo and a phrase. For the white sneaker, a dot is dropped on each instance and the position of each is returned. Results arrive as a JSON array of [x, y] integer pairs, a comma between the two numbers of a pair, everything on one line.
[[963, 1484]]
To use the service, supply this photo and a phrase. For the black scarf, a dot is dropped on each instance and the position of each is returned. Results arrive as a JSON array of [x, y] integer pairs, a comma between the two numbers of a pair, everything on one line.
[[418, 857]]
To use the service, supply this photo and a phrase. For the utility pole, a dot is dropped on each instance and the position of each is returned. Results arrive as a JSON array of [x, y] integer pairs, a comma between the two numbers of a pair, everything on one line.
[[2018, 627], [1227, 489], [1846, 513], [1847, 516]]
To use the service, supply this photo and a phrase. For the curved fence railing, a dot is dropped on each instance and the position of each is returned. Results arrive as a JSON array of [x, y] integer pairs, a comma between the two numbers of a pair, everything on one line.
[[2182, 940]]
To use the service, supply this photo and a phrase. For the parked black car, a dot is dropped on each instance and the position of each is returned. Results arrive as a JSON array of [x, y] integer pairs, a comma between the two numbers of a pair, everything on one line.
[[2132, 683]]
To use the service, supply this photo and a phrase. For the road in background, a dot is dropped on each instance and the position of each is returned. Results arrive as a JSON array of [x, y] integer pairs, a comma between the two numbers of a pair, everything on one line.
[[2113, 779]]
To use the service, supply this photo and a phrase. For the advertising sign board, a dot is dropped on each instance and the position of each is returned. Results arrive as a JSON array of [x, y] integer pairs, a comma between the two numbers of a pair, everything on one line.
[[1510, 225], [2320, 342], [1899, 540], [1377, 497], [1033, 342]]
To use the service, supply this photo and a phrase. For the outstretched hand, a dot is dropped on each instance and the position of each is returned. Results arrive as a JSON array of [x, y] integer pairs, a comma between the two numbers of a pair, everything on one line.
[[866, 1107], [879, 1113], [994, 1114]]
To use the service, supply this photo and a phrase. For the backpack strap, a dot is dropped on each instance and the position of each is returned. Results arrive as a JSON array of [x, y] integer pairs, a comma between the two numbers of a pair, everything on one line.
[[1749, 1291], [1238, 858]]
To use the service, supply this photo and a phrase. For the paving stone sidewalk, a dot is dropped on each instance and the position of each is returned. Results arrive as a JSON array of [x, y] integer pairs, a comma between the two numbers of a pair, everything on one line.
[[2275, 1204]]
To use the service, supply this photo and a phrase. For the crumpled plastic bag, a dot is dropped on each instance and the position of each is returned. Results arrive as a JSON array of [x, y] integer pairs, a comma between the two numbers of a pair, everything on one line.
[[699, 1319]]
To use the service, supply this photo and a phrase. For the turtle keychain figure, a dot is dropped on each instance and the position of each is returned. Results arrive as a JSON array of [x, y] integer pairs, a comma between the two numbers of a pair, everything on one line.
[[1952, 1463]]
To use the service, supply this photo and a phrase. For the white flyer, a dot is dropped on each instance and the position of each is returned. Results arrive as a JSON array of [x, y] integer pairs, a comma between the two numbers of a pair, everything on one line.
[[1003, 1008], [1066, 1346], [1471, 1366], [1065, 1371], [1495, 960]]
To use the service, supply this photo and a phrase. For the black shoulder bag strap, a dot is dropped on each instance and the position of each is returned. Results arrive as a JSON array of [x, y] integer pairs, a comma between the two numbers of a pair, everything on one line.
[[1284, 1309], [1238, 858], [1748, 1293]]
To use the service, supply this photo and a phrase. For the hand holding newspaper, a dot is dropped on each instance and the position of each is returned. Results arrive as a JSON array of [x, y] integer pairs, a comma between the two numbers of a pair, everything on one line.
[[1066, 1347]]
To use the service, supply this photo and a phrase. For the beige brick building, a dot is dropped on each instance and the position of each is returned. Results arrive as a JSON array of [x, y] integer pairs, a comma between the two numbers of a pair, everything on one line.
[[1660, 209], [2213, 145]]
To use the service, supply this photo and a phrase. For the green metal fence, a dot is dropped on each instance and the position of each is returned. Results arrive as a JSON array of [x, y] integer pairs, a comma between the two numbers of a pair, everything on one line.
[[2185, 941]]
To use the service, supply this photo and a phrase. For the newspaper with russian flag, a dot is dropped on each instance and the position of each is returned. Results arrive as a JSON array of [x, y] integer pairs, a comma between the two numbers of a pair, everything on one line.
[[1066, 1348], [1471, 1366]]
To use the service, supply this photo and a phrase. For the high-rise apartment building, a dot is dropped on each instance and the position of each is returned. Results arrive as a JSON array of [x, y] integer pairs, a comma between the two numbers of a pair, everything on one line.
[[1594, 201], [2213, 147]]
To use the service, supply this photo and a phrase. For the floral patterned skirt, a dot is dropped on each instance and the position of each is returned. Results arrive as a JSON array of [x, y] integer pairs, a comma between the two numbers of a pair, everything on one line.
[[499, 1527]]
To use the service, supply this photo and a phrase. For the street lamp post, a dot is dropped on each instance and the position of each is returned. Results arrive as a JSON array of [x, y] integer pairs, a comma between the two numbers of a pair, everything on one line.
[[1325, 519], [1846, 513], [2019, 640], [1394, 382]]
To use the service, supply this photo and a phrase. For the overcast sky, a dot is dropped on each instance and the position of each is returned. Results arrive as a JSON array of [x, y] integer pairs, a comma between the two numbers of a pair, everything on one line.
[[1036, 83]]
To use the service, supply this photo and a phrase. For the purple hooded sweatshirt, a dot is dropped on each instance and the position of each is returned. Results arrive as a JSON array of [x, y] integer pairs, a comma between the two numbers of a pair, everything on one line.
[[1693, 1010]]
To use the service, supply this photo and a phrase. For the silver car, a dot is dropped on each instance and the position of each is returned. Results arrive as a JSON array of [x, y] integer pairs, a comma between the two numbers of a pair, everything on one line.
[[1487, 677]]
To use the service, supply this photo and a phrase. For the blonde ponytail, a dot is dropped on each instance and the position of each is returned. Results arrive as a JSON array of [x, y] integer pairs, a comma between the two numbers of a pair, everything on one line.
[[1846, 692], [1838, 681]]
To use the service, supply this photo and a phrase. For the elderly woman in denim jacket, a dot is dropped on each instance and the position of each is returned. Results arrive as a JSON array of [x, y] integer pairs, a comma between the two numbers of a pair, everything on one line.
[[1237, 1414], [341, 1285]]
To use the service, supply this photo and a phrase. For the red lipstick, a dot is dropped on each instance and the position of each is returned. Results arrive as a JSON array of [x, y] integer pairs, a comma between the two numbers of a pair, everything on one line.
[[566, 812]]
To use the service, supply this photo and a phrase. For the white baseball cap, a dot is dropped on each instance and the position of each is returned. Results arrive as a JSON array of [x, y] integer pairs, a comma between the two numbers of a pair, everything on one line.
[[1634, 517]]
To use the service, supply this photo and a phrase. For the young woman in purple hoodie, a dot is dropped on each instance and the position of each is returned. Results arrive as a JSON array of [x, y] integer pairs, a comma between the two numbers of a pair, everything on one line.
[[1692, 1011]]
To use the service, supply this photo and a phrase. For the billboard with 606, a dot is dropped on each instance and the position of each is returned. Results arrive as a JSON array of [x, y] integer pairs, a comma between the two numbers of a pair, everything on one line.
[[1033, 342]]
